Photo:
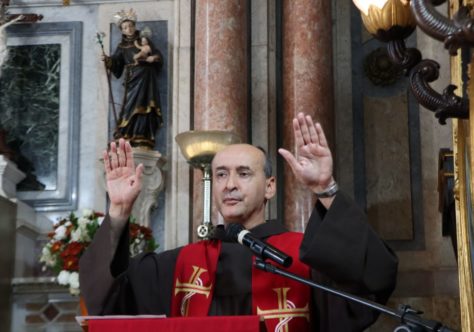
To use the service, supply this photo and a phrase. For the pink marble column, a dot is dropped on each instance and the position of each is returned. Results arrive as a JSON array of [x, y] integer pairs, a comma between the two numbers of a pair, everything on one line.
[[307, 87], [221, 67]]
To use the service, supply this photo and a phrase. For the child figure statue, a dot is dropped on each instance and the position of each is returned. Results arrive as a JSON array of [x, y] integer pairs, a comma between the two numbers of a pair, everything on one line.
[[143, 45]]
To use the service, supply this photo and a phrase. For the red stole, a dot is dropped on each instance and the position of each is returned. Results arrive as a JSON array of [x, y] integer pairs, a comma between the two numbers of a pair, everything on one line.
[[284, 304], [194, 279]]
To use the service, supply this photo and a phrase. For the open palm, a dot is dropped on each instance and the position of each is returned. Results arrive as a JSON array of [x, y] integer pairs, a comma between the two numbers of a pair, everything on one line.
[[123, 179], [313, 163]]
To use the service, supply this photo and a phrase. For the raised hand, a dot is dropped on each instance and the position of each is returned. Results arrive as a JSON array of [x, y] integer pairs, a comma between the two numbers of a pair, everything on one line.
[[313, 164], [123, 179]]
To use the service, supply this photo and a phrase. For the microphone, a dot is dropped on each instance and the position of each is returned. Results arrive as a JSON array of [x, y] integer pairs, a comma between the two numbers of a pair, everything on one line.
[[260, 248]]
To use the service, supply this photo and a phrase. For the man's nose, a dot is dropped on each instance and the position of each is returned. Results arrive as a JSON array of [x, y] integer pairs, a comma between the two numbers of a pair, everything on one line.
[[231, 183]]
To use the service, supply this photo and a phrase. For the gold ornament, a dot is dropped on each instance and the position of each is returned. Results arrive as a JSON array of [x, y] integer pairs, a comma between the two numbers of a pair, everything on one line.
[[125, 15]]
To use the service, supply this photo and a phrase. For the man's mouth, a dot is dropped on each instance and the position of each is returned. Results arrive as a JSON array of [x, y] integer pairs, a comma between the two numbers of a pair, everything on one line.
[[231, 200]]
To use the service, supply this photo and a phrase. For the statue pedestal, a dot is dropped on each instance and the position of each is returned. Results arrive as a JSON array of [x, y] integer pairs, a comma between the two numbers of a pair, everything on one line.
[[152, 183]]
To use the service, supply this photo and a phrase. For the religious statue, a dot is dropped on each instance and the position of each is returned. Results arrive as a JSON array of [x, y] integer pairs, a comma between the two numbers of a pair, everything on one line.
[[140, 62]]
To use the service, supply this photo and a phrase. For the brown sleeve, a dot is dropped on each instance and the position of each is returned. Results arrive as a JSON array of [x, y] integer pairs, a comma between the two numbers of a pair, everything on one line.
[[100, 264], [112, 283], [346, 253]]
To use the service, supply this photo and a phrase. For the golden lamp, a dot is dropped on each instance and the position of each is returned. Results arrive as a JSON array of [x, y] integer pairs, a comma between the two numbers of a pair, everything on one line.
[[198, 148], [392, 21]]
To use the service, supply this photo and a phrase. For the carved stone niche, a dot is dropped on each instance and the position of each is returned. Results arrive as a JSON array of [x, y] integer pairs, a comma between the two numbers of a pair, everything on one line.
[[152, 183]]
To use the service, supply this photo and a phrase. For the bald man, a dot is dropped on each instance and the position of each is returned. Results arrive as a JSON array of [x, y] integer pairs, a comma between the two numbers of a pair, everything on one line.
[[338, 247]]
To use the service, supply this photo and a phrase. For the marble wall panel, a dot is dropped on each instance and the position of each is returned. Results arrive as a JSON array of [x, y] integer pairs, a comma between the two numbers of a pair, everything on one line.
[[29, 100], [61, 110], [387, 164]]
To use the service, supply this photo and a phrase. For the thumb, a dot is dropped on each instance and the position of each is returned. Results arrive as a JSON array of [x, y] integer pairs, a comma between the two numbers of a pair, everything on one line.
[[290, 159]]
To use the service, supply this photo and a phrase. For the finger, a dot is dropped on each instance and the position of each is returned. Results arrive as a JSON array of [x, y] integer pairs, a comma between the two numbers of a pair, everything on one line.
[[121, 153], [113, 156], [130, 162], [304, 128], [290, 159], [322, 137], [312, 129], [297, 131], [105, 156]]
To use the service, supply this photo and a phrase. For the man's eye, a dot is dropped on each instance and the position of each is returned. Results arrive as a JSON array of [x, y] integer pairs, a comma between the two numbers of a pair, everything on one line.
[[220, 175], [244, 174]]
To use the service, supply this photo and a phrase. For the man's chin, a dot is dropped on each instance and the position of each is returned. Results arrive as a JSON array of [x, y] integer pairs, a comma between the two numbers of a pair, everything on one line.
[[233, 218]]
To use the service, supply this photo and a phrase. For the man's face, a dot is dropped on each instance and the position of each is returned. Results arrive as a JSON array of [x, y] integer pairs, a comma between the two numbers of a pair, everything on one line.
[[239, 186], [128, 28]]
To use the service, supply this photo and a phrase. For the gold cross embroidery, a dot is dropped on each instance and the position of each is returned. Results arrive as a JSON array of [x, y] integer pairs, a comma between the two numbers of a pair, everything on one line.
[[192, 287], [285, 312]]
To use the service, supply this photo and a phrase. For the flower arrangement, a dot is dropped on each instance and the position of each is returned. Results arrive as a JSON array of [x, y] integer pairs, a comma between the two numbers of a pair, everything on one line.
[[70, 238]]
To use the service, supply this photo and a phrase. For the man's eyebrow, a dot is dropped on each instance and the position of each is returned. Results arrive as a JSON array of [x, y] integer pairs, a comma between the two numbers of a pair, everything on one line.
[[244, 168], [239, 168]]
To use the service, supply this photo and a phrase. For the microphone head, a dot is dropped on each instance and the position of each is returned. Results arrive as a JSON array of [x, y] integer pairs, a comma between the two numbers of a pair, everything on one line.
[[233, 230]]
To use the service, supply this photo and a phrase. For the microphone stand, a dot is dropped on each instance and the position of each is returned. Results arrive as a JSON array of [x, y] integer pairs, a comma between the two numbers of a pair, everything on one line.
[[410, 319]]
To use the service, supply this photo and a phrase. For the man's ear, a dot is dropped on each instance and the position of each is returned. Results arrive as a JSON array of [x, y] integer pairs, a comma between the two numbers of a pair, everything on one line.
[[270, 187]]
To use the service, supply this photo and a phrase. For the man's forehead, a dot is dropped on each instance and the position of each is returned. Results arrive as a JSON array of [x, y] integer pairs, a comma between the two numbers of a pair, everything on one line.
[[238, 155]]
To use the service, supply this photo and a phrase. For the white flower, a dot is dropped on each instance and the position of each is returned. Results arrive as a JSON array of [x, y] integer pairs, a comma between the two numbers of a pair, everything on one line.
[[76, 235], [60, 233], [63, 277], [46, 257], [74, 280], [86, 213], [45, 252], [80, 235], [83, 222]]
